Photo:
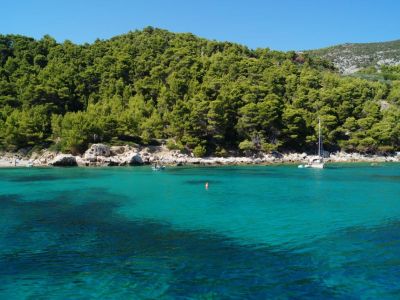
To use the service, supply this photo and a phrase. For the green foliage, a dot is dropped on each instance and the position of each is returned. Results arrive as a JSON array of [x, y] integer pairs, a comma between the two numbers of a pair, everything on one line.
[[247, 145], [268, 147], [202, 95], [25, 127], [221, 152], [199, 151], [172, 145], [75, 132]]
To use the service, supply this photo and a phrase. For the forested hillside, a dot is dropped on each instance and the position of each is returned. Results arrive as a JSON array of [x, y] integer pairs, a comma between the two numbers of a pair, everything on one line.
[[200, 95]]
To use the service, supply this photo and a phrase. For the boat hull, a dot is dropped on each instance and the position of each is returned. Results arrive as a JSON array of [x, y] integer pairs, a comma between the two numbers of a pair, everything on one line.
[[317, 166], [312, 166]]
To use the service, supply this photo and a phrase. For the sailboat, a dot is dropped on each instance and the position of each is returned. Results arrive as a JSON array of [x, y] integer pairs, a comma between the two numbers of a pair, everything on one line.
[[318, 162]]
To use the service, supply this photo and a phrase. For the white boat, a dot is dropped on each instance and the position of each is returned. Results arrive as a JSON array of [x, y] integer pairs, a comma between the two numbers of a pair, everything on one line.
[[317, 162]]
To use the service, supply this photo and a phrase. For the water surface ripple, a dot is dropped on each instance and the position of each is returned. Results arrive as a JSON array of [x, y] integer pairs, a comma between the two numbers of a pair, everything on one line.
[[257, 233]]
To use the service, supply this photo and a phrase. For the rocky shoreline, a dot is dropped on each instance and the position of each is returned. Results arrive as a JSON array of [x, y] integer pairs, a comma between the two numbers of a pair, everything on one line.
[[100, 155]]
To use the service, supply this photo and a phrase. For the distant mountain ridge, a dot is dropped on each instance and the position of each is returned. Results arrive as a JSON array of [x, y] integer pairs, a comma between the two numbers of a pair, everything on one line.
[[351, 57]]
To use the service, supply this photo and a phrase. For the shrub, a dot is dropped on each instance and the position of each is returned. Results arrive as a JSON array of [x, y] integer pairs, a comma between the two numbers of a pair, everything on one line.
[[199, 151], [367, 144], [172, 145], [221, 152], [247, 145], [267, 147]]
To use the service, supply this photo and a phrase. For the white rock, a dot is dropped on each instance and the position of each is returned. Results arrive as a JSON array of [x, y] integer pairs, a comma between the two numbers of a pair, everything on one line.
[[81, 162], [115, 150], [97, 150]]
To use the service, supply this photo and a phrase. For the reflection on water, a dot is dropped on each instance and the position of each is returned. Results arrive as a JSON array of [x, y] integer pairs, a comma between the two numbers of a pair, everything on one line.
[[110, 237]]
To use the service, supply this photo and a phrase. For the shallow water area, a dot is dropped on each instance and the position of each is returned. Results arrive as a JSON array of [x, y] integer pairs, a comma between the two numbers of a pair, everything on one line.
[[257, 232]]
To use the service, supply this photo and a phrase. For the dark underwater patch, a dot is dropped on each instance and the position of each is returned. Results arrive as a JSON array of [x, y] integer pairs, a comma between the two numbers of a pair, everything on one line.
[[386, 177], [36, 177], [364, 258], [32, 177], [9, 200], [78, 242]]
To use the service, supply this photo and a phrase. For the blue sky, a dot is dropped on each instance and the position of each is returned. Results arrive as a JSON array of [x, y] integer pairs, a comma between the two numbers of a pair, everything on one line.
[[280, 24]]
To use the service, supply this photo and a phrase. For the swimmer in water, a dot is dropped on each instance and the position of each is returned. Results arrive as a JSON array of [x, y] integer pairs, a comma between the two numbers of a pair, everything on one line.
[[206, 185]]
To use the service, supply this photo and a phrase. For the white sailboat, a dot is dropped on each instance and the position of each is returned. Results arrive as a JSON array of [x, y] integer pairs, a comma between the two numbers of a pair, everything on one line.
[[317, 162]]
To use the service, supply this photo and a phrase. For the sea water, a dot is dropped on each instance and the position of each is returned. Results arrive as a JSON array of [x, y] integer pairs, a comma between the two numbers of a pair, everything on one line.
[[257, 232]]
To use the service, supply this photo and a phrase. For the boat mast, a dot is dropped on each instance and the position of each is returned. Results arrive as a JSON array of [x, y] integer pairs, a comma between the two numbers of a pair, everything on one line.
[[319, 137]]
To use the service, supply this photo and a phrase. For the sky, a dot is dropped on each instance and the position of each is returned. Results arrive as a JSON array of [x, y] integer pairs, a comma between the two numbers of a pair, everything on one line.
[[280, 24]]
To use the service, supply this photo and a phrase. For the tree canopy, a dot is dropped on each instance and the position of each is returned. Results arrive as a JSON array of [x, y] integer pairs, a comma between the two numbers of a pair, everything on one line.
[[202, 95]]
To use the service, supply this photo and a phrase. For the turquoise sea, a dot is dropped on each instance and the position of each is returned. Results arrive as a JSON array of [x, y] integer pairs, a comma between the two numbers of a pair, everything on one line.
[[259, 232]]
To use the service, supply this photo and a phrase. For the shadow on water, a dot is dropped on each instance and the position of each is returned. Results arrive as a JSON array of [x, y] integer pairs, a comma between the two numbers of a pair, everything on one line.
[[59, 247], [37, 175], [362, 260], [386, 177], [42, 177]]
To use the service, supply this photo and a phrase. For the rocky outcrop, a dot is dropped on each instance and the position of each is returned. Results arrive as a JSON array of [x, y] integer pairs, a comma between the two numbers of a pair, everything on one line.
[[81, 162], [109, 161], [96, 150], [350, 58], [117, 150], [357, 157], [43, 159], [64, 160], [102, 155], [135, 159]]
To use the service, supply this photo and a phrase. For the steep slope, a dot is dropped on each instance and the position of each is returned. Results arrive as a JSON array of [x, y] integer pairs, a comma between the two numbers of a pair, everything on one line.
[[199, 95], [349, 58]]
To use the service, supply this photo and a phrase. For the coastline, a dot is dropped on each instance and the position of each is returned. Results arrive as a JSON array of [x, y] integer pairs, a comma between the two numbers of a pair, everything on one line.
[[99, 155]]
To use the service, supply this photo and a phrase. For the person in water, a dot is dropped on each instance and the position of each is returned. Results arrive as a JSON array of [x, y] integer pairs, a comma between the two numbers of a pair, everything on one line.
[[206, 185]]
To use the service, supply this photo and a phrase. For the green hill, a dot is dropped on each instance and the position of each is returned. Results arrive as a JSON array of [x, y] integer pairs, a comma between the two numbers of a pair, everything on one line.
[[199, 95]]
